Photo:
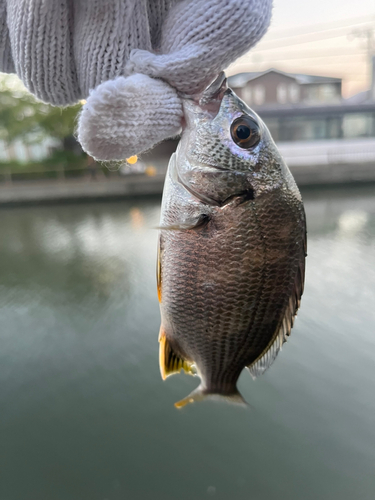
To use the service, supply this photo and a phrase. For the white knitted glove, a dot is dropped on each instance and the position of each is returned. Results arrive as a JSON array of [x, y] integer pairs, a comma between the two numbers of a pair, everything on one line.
[[116, 53]]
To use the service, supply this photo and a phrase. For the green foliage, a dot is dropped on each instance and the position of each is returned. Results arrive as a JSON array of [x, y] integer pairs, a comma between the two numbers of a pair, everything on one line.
[[24, 117]]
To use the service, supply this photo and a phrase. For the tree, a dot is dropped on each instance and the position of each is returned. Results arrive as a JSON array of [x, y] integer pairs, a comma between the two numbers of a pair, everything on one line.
[[22, 116]]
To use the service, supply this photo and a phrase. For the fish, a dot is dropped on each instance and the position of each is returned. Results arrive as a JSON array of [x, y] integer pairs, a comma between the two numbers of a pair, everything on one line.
[[232, 247]]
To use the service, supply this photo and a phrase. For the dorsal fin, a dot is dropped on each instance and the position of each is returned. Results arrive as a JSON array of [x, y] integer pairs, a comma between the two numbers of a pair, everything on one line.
[[169, 361], [269, 355]]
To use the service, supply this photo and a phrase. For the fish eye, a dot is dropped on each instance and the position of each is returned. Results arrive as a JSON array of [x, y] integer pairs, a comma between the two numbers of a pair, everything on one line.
[[245, 132]]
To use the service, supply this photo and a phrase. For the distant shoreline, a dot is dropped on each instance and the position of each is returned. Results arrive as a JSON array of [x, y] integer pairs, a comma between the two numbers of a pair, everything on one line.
[[131, 186]]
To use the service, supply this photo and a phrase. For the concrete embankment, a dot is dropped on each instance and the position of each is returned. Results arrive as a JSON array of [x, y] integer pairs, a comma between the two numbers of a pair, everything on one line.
[[333, 174], [141, 185], [80, 189]]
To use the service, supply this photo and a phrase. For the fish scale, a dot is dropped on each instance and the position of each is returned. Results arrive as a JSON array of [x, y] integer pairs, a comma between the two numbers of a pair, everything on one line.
[[229, 286]]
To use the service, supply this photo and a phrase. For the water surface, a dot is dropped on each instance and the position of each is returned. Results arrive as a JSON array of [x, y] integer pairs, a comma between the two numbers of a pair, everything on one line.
[[85, 414]]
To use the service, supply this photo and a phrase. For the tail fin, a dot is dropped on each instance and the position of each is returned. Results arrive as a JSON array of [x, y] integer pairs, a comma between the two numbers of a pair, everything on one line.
[[200, 394]]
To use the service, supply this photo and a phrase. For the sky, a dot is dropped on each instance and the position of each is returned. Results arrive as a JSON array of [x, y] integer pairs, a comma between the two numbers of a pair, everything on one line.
[[316, 37], [320, 37]]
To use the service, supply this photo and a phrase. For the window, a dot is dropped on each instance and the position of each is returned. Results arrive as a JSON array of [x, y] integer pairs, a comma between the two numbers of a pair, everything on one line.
[[293, 92], [287, 93], [259, 94], [328, 92], [358, 125], [281, 93], [247, 95]]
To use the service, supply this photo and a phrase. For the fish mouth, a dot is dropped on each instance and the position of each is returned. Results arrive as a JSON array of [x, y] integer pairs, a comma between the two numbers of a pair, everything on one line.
[[215, 91], [210, 98]]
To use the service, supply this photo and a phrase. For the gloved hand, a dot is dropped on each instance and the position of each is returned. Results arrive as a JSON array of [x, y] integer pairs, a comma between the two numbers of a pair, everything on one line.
[[129, 58]]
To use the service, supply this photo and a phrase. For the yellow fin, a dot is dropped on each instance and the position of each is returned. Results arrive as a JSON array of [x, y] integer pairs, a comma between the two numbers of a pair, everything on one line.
[[158, 271], [169, 361], [196, 395]]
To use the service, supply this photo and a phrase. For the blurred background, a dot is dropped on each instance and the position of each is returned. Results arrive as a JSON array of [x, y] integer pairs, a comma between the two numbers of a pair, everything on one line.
[[84, 412]]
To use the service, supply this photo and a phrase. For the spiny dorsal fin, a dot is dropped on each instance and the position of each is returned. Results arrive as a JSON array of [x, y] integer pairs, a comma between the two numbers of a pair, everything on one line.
[[263, 362], [169, 361]]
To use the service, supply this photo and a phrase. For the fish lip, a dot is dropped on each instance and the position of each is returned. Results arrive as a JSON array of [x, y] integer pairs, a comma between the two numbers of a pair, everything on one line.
[[214, 91], [209, 100]]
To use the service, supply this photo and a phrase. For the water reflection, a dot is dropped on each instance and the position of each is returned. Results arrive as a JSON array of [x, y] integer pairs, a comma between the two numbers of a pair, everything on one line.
[[353, 221], [85, 414]]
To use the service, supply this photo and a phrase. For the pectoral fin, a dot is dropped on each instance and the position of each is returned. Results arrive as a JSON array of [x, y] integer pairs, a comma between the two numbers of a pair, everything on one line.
[[169, 361]]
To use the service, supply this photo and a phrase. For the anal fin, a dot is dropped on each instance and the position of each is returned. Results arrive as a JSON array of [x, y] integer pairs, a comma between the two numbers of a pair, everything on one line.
[[169, 361]]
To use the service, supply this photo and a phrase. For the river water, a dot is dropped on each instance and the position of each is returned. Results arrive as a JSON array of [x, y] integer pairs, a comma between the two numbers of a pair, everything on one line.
[[85, 414]]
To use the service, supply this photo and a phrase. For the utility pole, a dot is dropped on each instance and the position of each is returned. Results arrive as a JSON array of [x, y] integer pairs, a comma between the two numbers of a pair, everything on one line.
[[368, 34]]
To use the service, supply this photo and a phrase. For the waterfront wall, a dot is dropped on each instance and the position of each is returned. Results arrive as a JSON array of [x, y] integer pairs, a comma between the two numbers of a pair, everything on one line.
[[87, 188]]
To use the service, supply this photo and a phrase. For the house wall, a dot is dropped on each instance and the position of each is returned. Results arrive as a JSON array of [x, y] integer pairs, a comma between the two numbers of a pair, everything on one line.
[[263, 89], [321, 92], [275, 88]]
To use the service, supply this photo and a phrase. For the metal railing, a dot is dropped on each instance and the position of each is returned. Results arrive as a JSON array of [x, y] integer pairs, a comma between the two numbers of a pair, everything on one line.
[[60, 173]]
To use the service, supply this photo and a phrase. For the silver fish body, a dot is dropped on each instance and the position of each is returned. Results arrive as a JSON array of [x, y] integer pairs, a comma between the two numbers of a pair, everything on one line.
[[232, 248]]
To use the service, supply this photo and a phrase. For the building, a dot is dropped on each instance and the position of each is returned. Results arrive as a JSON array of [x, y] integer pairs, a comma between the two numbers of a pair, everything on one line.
[[274, 87], [298, 107], [326, 122], [324, 135], [313, 126]]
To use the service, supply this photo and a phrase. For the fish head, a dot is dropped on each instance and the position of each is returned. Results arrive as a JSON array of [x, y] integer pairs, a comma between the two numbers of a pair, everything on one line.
[[226, 149]]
